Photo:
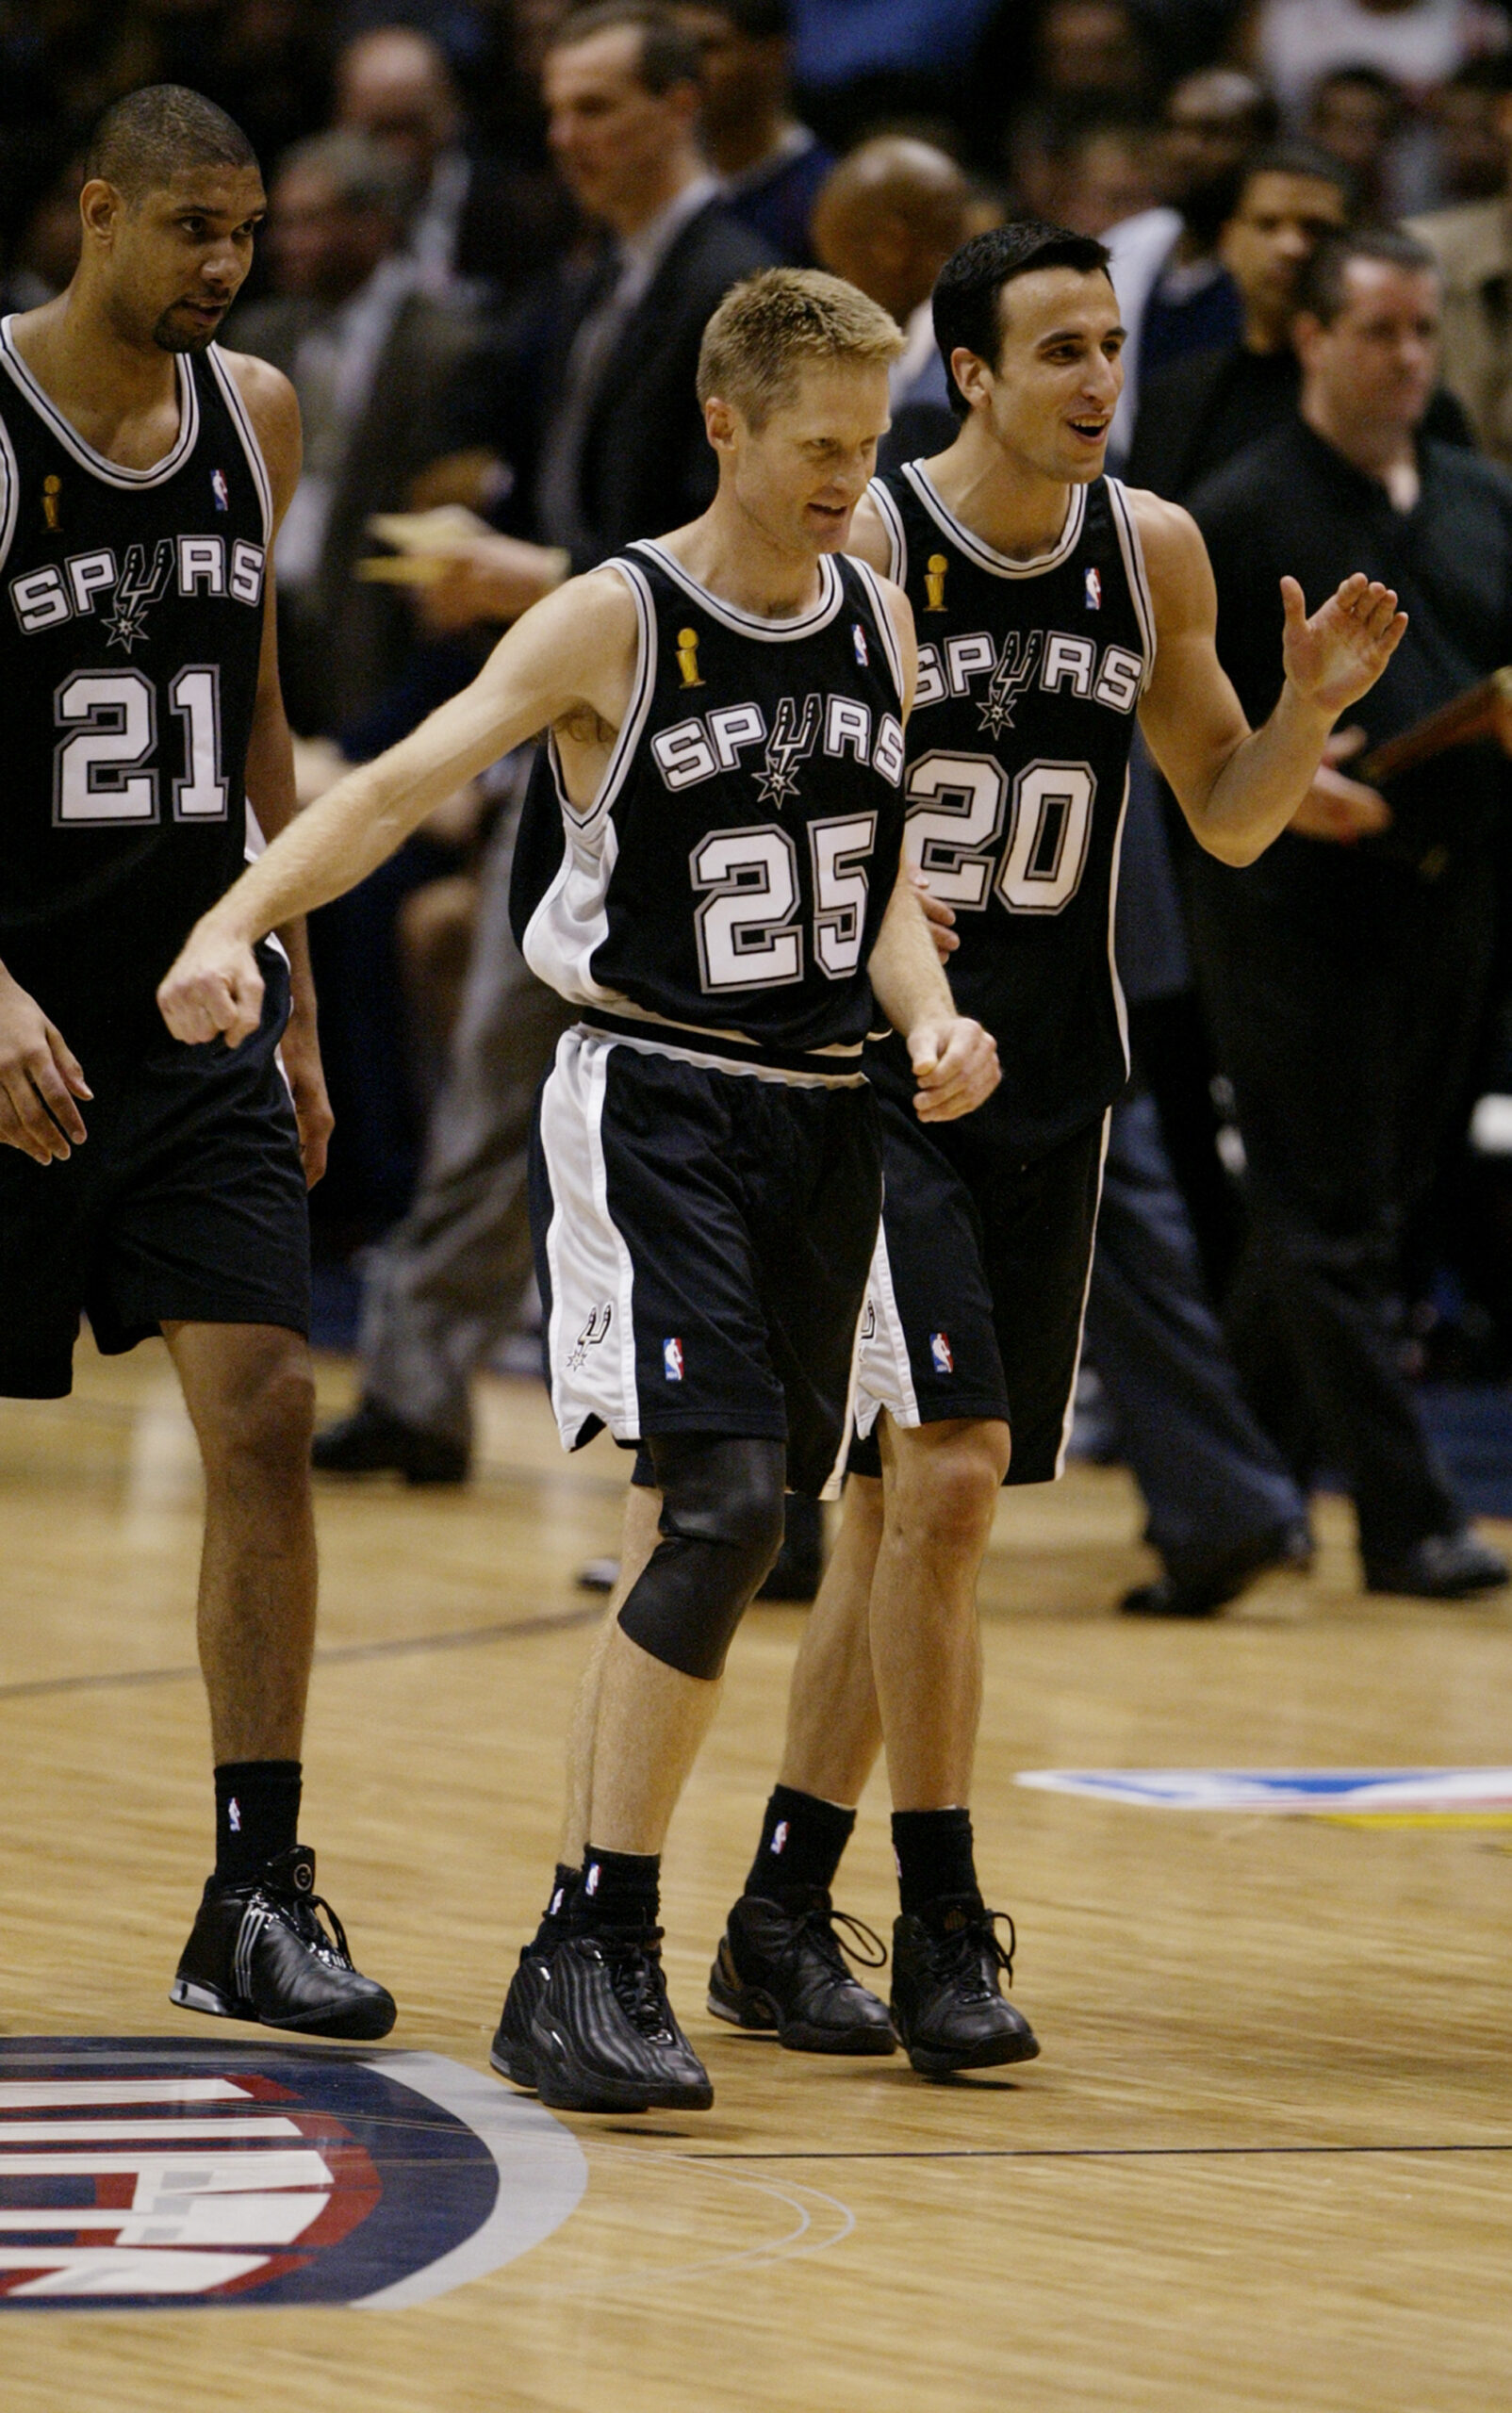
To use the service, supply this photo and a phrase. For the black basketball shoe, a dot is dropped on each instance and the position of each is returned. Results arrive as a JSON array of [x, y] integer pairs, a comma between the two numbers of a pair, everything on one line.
[[513, 2051], [782, 1966], [604, 2035], [947, 2007], [259, 1951]]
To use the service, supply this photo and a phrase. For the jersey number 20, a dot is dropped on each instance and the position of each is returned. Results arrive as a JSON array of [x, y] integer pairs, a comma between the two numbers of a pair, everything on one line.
[[102, 773], [955, 816]]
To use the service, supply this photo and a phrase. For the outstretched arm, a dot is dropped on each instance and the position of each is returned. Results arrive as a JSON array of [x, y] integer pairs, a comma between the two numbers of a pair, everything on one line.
[[1239, 788], [574, 651]]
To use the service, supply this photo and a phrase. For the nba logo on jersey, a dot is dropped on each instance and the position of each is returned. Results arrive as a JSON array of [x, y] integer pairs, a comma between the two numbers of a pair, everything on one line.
[[1095, 588], [672, 1359], [858, 635], [221, 490], [940, 1353]]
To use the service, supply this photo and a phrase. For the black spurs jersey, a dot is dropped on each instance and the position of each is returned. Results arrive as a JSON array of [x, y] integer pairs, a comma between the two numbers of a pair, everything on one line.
[[732, 872], [130, 628], [1029, 677]]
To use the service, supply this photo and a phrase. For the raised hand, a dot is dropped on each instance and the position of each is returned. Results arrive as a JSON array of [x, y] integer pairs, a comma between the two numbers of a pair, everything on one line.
[[214, 986], [1337, 656]]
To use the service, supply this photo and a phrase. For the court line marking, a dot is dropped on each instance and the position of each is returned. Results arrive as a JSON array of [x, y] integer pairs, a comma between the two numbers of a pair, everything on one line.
[[464, 1638], [1076, 2153]]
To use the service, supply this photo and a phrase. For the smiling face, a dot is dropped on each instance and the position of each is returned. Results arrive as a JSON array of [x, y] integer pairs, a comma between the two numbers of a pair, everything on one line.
[[173, 261], [799, 475], [1049, 397]]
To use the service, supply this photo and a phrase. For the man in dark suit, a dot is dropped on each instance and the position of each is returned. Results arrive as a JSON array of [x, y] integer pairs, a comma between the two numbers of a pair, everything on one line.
[[588, 400], [475, 220], [372, 358]]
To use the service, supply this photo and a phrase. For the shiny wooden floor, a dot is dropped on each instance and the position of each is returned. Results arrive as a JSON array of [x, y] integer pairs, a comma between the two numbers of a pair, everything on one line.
[[1265, 2161]]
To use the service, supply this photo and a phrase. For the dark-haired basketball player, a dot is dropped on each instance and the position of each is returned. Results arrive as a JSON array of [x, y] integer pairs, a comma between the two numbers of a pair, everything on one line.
[[1052, 608], [726, 712], [143, 476]]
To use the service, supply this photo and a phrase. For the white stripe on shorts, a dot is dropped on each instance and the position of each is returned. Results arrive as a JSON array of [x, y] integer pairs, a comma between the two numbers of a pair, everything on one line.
[[591, 1337], [883, 1376]]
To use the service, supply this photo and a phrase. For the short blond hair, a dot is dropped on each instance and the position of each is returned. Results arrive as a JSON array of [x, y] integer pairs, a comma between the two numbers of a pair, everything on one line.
[[767, 328]]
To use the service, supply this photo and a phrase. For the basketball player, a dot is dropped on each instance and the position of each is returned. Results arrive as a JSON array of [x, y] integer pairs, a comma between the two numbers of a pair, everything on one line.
[[726, 713], [1052, 608], [142, 478]]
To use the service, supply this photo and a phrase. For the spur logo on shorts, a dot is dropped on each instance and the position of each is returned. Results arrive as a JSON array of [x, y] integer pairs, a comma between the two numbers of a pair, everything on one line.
[[940, 1356], [594, 1331], [672, 1359], [137, 2173]]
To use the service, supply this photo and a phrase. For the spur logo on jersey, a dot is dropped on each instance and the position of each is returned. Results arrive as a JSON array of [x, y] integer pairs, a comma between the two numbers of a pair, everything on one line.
[[96, 584], [137, 2173], [1046, 660], [838, 726], [595, 1332], [672, 1359]]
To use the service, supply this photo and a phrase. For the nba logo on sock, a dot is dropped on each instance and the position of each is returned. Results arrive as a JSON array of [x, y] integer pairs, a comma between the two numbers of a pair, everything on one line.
[[940, 1353], [779, 1837], [672, 1359], [1095, 590]]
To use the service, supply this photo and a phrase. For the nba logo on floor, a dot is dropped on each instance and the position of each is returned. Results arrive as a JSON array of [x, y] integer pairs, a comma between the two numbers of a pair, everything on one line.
[[940, 1353], [672, 1359]]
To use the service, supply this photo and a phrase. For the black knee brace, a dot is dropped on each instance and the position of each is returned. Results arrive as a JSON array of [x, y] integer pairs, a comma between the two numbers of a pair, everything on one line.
[[721, 1527]]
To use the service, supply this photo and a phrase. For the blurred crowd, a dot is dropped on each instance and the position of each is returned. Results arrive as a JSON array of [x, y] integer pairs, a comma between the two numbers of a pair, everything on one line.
[[489, 256]]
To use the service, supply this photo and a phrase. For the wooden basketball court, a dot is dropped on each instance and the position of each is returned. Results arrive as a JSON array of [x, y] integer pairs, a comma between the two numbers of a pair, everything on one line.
[[1265, 2161]]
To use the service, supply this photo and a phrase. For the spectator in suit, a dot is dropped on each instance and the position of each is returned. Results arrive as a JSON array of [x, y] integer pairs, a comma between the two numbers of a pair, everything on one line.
[[1473, 246], [471, 220], [887, 219], [1346, 982], [771, 165], [1174, 291], [371, 358], [588, 400]]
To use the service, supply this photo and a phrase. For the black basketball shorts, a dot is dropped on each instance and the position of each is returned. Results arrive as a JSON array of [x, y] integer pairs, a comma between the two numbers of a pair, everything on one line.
[[978, 1289], [186, 1204], [702, 1241]]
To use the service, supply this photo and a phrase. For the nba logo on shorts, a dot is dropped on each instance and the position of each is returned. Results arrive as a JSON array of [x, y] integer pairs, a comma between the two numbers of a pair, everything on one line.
[[1095, 590], [672, 1359], [940, 1353]]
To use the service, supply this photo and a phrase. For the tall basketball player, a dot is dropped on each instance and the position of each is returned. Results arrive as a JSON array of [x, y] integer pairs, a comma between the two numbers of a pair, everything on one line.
[[142, 478], [1052, 608], [726, 713]]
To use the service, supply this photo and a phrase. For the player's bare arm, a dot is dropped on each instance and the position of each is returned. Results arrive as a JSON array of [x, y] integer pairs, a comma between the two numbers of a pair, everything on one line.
[[1239, 788], [954, 1058], [274, 409], [567, 663]]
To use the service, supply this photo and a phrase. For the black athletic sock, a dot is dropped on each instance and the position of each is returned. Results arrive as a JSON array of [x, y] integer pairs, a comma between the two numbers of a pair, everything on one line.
[[932, 1848], [802, 1838], [257, 1816], [618, 1889], [556, 1916]]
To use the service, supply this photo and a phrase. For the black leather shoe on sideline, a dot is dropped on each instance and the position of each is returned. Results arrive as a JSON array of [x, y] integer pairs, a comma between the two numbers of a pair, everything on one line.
[[783, 1968], [1443, 1567], [259, 1951], [512, 2052], [946, 2005], [373, 1441], [604, 2034], [1198, 1587]]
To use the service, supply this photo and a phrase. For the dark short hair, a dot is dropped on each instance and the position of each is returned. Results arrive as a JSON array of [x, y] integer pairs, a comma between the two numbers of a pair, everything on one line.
[[1296, 159], [968, 296], [149, 136], [1371, 79], [1322, 291], [668, 55]]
